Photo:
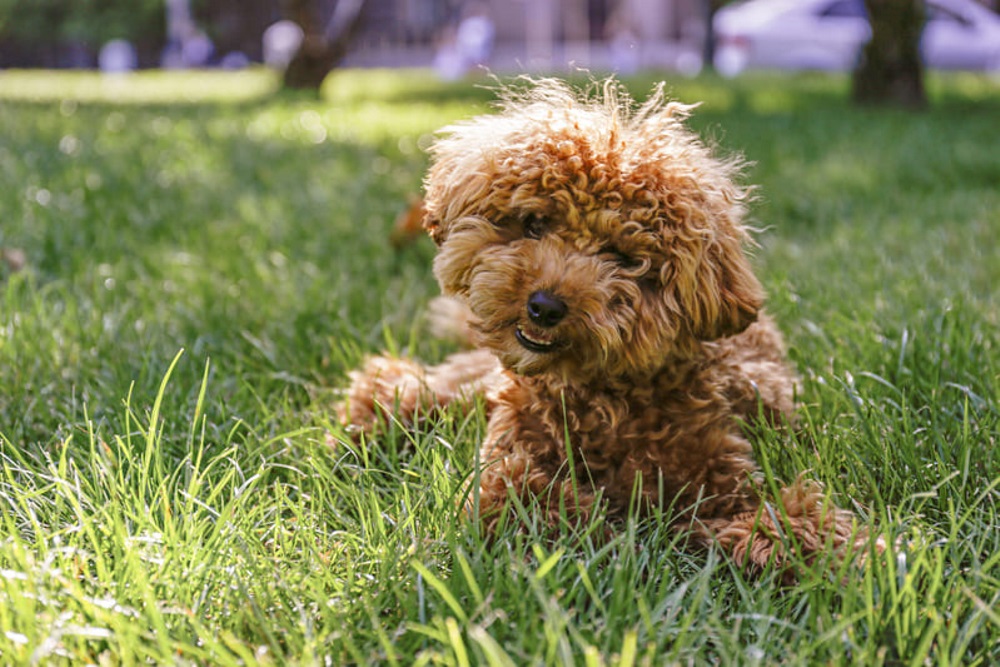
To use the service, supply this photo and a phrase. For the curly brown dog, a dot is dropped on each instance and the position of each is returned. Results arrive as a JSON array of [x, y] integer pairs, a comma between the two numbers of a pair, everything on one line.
[[596, 253]]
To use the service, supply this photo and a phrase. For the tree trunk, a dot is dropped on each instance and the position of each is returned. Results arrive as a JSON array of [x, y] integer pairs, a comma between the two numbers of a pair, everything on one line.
[[891, 70], [709, 9], [323, 46]]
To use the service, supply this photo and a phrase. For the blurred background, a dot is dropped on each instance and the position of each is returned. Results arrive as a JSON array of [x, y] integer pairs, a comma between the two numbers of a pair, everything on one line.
[[458, 37]]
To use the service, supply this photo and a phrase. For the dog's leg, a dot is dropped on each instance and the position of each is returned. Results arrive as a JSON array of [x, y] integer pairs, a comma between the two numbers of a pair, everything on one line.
[[801, 525], [763, 385], [409, 390], [450, 319], [514, 490]]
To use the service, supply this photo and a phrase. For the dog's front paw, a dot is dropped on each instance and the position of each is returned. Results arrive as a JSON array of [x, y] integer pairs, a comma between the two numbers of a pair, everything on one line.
[[384, 386], [801, 528]]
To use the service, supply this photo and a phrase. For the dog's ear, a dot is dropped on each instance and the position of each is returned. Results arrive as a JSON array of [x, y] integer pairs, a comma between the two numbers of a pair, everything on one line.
[[432, 223], [448, 197], [433, 228], [721, 296], [439, 187]]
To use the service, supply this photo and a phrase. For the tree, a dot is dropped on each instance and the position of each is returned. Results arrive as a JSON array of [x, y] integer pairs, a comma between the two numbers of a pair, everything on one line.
[[57, 33], [323, 45], [891, 69], [710, 8]]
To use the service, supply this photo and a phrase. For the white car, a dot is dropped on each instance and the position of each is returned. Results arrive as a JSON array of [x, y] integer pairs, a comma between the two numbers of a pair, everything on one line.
[[829, 35]]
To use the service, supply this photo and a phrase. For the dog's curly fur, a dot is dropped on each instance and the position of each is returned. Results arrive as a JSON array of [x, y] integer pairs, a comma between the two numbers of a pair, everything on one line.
[[595, 252]]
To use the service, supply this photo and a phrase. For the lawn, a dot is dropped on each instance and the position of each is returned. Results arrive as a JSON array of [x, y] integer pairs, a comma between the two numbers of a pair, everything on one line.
[[192, 263]]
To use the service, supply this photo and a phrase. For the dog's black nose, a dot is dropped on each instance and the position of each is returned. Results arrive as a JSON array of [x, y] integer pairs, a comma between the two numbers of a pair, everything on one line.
[[545, 309]]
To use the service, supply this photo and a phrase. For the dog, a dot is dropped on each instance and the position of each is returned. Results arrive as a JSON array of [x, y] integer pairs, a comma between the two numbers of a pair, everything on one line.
[[593, 252]]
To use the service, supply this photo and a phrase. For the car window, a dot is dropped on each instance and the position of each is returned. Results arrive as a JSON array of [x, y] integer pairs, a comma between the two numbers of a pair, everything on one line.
[[845, 8]]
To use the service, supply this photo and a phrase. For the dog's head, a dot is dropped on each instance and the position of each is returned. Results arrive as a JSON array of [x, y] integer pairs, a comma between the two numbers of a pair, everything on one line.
[[587, 235]]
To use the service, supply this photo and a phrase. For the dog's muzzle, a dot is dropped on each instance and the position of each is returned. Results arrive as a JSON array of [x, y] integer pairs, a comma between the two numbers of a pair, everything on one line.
[[545, 310]]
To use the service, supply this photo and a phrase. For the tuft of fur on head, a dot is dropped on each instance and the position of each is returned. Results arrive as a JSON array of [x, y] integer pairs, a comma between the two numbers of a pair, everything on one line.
[[613, 208]]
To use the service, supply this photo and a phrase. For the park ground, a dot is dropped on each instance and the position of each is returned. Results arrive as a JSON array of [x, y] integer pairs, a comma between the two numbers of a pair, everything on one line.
[[193, 261]]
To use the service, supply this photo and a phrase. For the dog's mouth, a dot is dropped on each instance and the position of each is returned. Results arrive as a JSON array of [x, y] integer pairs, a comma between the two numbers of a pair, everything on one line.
[[535, 341]]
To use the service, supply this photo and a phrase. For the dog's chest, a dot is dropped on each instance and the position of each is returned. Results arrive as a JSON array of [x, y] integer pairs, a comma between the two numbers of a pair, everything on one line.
[[670, 442], [641, 426]]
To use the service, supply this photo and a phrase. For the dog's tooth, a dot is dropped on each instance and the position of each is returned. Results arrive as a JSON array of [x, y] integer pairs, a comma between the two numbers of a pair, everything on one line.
[[543, 344]]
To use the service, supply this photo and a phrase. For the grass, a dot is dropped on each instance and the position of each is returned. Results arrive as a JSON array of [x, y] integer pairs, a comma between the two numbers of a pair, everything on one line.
[[204, 262]]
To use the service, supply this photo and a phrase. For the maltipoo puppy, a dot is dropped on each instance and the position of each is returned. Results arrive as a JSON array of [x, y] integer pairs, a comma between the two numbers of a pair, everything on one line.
[[594, 252]]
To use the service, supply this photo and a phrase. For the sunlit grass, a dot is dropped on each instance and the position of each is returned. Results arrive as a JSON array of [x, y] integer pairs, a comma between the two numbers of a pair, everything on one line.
[[144, 87], [163, 507]]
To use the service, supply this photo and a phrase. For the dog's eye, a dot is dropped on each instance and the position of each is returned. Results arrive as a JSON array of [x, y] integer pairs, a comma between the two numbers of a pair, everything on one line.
[[624, 260], [534, 227]]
